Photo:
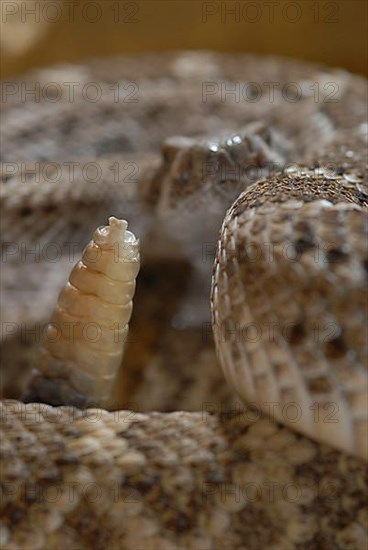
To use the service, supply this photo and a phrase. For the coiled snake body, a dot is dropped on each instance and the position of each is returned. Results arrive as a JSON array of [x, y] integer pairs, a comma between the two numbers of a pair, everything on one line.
[[284, 470]]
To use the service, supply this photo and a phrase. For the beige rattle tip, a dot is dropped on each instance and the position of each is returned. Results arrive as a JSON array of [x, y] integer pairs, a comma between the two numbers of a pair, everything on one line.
[[120, 225]]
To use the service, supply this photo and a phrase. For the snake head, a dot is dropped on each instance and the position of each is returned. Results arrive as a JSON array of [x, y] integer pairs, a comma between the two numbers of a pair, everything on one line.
[[199, 178], [223, 164]]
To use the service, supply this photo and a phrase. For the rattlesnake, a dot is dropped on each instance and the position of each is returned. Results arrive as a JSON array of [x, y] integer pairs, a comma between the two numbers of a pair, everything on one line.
[[291, 138]]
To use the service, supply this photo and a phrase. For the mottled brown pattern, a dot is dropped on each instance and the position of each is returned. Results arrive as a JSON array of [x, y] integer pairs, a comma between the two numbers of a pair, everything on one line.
[[225, 475], [282, 264], [179, 480]]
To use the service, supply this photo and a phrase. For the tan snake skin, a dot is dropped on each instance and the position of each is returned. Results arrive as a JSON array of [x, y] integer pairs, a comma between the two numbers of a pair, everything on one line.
[[218, 474]]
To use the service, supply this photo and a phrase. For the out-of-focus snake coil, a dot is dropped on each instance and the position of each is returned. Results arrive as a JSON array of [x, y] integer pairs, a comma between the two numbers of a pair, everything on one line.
[[286, 175]]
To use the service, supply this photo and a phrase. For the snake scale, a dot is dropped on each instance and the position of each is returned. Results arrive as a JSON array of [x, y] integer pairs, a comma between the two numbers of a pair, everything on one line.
[[176, 140]]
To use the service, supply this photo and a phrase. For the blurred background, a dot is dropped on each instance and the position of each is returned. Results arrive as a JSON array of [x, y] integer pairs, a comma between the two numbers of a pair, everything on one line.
[[43, 32]]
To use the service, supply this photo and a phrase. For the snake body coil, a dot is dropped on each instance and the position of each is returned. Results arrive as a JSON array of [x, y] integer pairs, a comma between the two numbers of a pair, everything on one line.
[[288, 181]]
